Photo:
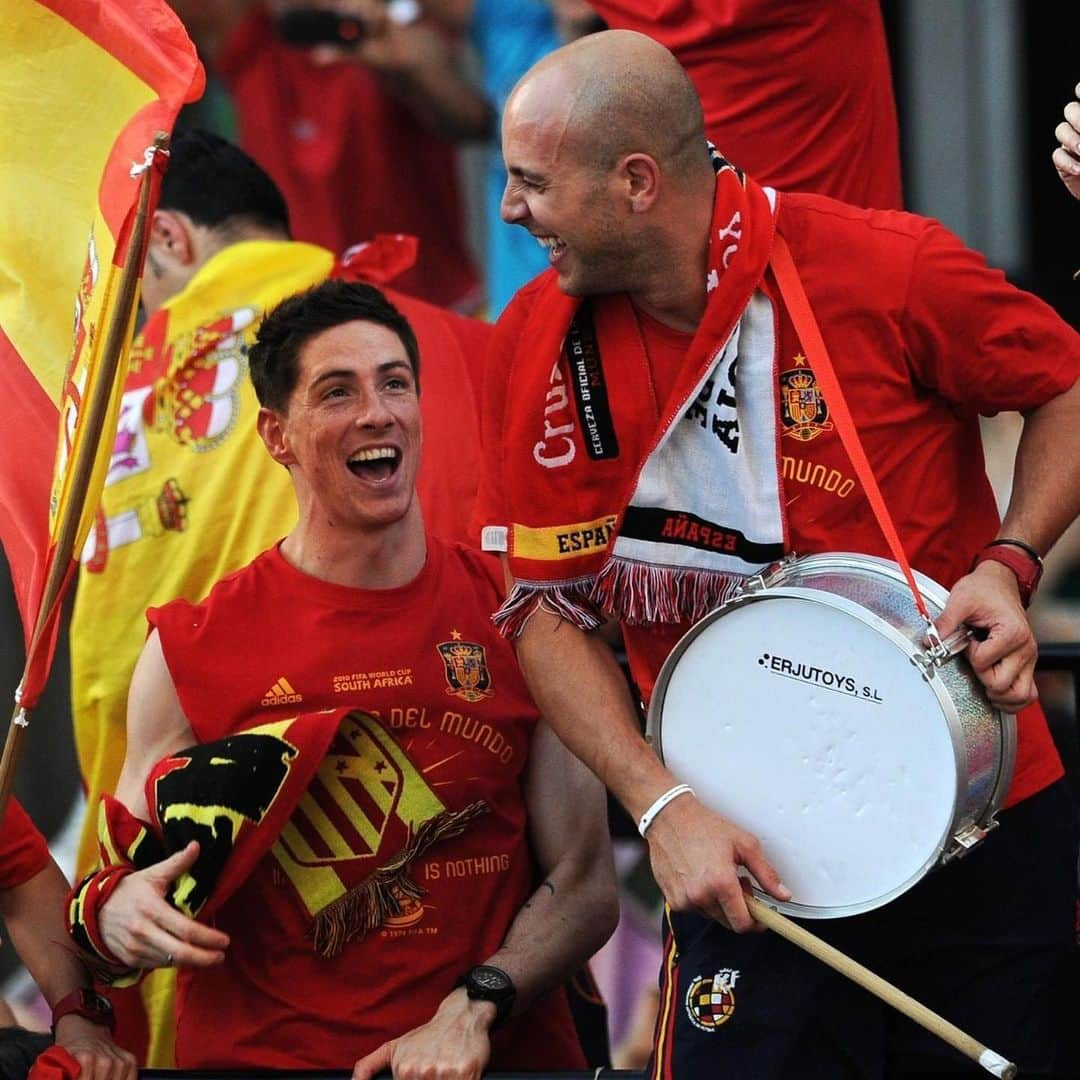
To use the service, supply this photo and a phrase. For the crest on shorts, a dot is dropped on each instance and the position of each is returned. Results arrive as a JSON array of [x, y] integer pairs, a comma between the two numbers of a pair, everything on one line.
[[466, 668], [802, 405], [710, 999]]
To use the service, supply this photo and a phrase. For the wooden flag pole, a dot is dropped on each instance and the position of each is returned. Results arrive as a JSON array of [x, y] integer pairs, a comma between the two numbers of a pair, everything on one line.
[[82, 469]]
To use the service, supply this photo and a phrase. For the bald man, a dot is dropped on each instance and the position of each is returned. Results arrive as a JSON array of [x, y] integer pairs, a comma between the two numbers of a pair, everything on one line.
[[631, 476]]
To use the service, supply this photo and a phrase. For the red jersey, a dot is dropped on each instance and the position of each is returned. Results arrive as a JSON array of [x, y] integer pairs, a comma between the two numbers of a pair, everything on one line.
[[796, 92], [930, 341], [350, 159], [446, 721], [23, 851]]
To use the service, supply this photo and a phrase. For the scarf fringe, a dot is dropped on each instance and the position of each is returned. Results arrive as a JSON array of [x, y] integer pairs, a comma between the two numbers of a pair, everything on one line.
[[570, 601], [640, 593], [383, 894]]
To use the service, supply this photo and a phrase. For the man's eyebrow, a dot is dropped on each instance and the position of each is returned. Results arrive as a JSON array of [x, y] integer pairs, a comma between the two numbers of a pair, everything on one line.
[[523, 174], [349, 374], [336, 373]]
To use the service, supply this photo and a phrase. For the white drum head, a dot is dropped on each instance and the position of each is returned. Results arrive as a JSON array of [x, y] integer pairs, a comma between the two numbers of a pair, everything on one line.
[[798, 718]]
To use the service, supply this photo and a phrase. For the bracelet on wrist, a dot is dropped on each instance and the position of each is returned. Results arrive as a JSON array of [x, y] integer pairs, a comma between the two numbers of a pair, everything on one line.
[[650, 815]]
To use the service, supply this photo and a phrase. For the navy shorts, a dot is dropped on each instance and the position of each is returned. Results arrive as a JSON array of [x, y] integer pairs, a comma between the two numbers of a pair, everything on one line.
[[988, 941]]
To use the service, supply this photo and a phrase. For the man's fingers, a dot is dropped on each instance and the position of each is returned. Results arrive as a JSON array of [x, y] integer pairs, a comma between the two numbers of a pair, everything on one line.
[[179, 862], [764, 872], [187, 931], [376, 1062]]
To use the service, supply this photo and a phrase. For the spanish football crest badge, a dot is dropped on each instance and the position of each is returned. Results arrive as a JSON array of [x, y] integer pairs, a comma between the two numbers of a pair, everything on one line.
[[466, 669], [710, 1000], [802, 405]]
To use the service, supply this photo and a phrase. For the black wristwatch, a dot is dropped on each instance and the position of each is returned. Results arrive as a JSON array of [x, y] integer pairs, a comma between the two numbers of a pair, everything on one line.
[[485, 982], [87, 1003]]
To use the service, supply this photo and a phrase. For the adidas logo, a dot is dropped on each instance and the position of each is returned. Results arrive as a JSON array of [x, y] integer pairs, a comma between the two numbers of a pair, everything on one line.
[[281, 693]]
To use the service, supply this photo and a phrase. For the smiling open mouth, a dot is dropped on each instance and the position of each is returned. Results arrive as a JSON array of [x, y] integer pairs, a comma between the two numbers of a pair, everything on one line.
[[377, 464], [554, 245]]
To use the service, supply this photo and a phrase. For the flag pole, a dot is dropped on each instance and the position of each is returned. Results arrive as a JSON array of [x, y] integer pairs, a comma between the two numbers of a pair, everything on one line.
[[60, 564]]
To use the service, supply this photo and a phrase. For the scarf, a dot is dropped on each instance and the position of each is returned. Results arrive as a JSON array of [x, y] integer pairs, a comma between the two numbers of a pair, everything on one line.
[[651, 522]]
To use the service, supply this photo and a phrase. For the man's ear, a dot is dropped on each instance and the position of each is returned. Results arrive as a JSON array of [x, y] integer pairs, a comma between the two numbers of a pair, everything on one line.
[[172, 238], [271, 427], [639, 175]]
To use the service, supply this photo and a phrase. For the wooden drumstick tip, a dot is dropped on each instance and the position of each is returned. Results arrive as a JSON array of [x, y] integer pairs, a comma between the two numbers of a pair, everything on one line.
[[996, 1064]]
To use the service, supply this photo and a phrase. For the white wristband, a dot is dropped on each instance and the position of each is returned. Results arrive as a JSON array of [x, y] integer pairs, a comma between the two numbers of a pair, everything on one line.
[[650, 815]]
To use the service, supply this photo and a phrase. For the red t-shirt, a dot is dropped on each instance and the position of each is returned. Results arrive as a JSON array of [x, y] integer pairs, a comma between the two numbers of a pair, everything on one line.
[[23, 851], [350, 159], [796, 92], [922, 346], [450, 722]]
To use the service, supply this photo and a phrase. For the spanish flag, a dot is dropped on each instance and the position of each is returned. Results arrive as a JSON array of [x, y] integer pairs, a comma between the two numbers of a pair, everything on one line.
[[85, 86]]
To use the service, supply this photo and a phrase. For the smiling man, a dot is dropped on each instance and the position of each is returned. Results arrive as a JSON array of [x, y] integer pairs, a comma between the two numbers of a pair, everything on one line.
[[652, 388], [396, 920]]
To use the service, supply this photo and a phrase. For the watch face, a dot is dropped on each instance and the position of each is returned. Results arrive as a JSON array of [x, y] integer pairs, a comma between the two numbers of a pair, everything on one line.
[[490, 979]]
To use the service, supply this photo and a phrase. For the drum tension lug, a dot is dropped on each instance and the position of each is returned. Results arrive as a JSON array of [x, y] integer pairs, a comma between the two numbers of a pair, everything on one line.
[[966, 839]]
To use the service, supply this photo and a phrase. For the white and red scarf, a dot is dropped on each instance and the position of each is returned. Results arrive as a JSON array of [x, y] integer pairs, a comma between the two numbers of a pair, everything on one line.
[[615, 502]]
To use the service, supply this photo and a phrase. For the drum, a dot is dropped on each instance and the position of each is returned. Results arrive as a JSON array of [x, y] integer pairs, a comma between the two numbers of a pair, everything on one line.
[[809, 710]]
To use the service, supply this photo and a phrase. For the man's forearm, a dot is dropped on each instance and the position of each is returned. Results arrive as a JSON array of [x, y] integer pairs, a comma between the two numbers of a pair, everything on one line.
[[34, 914], [575, 908], [579, 688], [1046, 480]]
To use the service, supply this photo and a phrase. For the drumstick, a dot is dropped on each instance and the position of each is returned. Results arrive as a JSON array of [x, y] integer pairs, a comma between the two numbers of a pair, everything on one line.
[[937, 1025]]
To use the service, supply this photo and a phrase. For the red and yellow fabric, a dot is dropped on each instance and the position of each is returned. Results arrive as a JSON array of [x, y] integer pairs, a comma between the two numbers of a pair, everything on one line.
[[85, 86]]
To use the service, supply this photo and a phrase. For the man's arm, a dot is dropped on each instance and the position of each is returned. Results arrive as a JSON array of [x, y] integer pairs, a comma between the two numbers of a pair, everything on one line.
[[570, 915], [1045, 500], [34, 915], [138, 925], [695, 853]]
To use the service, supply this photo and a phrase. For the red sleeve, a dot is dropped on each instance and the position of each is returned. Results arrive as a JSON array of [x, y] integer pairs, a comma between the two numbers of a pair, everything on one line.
[[23, 851], [490, 508], [243, 46], [978, 341]]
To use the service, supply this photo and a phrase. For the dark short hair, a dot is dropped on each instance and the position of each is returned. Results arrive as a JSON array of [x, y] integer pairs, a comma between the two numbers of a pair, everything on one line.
[[272, 359], [216, 184]]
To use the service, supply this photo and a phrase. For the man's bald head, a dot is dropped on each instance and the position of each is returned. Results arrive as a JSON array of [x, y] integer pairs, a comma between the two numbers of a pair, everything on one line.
[[614, 93]]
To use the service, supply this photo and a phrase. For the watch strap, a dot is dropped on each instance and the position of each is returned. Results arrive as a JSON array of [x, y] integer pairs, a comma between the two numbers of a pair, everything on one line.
[[1020, 558], [87, 1003]]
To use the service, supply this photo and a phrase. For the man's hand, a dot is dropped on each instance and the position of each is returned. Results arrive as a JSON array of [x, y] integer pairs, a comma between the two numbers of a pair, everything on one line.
[[452, 1045], [1066, 157], [695, 857], [143, 930], [92, 1047], [988, 599]]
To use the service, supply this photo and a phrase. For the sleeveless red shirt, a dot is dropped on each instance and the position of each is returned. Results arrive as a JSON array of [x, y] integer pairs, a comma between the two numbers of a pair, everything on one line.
[[448, 722]]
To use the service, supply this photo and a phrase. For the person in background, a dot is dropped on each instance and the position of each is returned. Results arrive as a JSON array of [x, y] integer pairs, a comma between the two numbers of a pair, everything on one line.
[[189, 496], [359, 134], [796, 92]]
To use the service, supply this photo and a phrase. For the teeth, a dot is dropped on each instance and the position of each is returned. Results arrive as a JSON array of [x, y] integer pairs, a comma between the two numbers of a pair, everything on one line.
[[552, 243], [376, 454]]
